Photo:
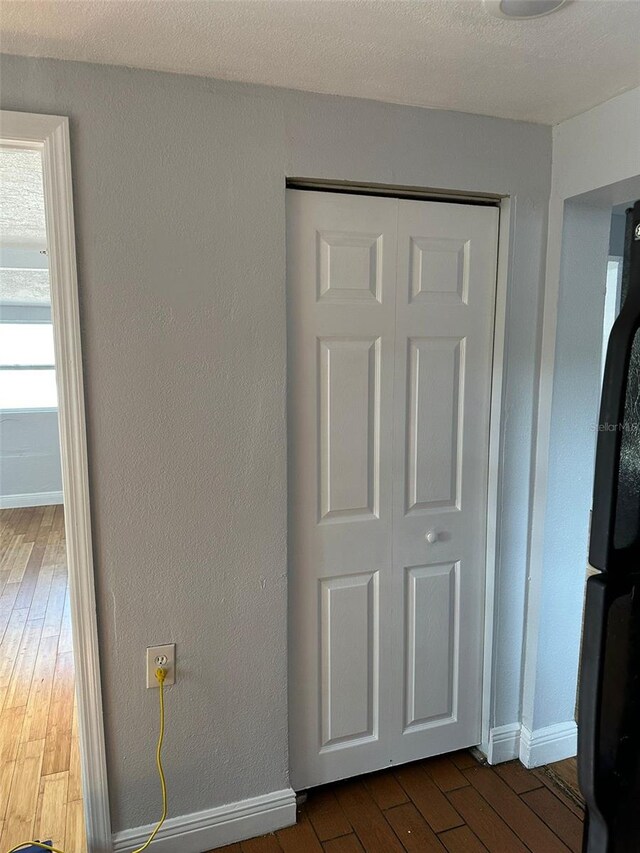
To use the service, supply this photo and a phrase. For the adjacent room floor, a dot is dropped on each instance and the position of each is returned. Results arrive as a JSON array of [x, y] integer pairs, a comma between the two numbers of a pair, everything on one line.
[[40, 791], [450, 804]]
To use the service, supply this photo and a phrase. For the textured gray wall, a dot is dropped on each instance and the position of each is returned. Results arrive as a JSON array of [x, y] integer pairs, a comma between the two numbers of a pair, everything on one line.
[[180, 217], [574, 417], [616, 234]]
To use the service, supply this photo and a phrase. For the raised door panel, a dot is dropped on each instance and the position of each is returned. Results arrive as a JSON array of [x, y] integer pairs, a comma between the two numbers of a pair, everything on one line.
[[439, 270], [349, 450], [349, 648], [434, 419], [349, 266], [431, 646]]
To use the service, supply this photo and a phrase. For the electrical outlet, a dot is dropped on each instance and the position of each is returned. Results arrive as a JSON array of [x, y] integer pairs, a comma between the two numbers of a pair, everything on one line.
[[164, 656]]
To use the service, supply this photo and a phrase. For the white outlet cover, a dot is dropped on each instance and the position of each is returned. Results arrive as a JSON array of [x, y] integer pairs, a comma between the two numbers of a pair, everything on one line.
[[155, 652]]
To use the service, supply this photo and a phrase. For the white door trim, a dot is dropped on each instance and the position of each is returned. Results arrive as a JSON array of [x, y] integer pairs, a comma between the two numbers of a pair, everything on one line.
[[496, 443], [50, 134]]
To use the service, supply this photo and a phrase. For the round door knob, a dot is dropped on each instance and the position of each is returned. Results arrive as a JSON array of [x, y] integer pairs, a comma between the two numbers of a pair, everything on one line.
[[431, 536]]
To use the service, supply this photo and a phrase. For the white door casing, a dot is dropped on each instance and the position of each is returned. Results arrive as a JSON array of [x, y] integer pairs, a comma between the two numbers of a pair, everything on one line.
[[50, 135], [390, 324]]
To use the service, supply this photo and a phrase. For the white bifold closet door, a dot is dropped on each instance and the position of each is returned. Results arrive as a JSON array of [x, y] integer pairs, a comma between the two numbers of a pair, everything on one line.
[[390, 338]]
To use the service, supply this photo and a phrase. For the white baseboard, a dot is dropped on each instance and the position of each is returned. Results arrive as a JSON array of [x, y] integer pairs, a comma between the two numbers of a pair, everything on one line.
[[36, 499], [504, 744], [544, 746], [205, 830]]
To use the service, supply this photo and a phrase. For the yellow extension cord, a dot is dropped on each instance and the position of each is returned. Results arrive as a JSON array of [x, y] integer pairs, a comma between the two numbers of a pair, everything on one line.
[[160, 675]]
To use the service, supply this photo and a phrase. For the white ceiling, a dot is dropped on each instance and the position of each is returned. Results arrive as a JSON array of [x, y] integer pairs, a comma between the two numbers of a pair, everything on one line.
[[449, 54]]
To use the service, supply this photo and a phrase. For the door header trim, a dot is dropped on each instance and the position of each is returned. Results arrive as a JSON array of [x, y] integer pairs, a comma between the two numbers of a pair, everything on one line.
[[394, 191]]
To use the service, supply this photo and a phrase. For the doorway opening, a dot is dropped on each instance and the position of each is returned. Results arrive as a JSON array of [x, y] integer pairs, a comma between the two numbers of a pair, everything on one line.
[[565, 771], [52, 753], [42, 791]]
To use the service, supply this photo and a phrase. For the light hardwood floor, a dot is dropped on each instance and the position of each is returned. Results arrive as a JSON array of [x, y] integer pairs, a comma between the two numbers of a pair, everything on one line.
[[40, 790]]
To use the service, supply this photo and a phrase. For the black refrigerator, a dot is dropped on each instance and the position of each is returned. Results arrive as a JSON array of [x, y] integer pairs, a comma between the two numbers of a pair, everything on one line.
[[609, 695]]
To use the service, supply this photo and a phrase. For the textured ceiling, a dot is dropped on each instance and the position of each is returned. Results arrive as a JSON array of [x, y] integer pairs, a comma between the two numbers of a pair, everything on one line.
[[449, 54]]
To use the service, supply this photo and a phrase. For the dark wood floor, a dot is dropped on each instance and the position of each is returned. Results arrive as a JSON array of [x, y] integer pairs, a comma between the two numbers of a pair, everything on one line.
[[565, 775], [446, 804]]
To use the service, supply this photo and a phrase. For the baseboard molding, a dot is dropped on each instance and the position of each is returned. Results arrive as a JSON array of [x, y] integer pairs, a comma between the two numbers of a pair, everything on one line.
[[504, 743], [205, 830], [35, 499], [544, 746]]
